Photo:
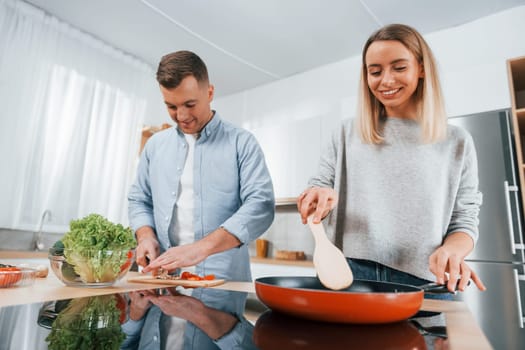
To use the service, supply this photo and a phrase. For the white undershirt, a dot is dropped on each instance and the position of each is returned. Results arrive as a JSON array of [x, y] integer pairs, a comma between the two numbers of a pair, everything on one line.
[[172, 328], [182, 232]]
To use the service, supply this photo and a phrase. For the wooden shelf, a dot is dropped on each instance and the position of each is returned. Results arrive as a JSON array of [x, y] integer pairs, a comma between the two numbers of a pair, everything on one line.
[[516, 76], [148, 131], [517, 66], [270, 261]]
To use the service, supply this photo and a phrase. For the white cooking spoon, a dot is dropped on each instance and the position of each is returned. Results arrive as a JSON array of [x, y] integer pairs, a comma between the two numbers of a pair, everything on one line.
[[330, 263]]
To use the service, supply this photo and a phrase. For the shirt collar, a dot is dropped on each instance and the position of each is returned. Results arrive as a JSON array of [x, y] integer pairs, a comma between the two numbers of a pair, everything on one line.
[[212, 125]]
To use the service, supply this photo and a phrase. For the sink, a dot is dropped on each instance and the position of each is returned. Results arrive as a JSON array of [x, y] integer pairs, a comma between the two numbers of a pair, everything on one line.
[[29, 262]]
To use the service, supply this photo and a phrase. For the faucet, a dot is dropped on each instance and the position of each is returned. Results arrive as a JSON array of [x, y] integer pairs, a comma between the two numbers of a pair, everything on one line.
[[39, 244]]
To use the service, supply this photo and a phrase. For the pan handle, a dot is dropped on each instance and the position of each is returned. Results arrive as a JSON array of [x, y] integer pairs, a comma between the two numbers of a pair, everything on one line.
[[435, 288], [435, 331]]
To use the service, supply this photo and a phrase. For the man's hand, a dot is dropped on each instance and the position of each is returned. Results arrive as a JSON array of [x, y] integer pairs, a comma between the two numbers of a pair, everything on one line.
[[193, 253], [176, 257], [147, 245]]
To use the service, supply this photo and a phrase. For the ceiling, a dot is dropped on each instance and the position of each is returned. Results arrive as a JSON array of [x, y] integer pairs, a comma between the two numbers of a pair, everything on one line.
[[250, 43]]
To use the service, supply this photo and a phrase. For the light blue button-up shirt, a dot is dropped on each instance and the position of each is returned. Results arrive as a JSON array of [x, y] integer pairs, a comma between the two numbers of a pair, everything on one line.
[[232, 189]]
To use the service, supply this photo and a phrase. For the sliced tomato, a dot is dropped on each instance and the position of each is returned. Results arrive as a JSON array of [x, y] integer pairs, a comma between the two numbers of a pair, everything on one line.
[[125, 266], [185, 275], [128, 262], [194, 277]]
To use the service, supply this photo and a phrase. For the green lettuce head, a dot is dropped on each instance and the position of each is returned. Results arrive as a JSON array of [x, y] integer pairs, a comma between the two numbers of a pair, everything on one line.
[[98, 249]]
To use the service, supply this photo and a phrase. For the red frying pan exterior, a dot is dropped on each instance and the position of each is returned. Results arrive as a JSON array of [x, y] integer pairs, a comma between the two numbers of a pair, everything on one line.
[[365, 302]]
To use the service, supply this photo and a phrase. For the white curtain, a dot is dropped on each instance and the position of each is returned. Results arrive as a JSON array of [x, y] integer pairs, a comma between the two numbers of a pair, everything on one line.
[[71, 111]]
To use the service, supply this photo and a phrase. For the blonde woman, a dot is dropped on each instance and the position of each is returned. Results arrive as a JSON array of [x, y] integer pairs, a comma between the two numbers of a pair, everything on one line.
[[397, 185]]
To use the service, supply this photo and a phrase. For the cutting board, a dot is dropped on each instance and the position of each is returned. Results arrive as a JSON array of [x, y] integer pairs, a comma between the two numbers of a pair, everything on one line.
[[182, 283]]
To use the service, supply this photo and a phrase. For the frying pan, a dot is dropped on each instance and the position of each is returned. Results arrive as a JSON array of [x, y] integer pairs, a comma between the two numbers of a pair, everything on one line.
[[279, 331], [363, 302]]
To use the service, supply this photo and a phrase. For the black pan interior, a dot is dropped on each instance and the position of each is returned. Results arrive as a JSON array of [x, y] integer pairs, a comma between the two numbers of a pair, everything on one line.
[[358, 286]]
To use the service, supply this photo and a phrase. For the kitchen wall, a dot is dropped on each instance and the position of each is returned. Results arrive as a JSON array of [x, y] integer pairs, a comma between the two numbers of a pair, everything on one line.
[[293, 118]]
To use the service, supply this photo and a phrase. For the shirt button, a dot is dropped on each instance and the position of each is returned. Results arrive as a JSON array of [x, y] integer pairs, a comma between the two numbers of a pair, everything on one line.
[[155, 338], [173, 193], [167, 218]]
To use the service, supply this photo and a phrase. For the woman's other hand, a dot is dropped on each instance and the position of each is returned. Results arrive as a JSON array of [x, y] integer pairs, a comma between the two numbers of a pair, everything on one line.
[[449, 259], [318, 201]]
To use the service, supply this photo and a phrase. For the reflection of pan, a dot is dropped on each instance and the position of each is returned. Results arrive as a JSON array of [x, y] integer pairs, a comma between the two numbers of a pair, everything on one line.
[[279, 331], [363, 302]]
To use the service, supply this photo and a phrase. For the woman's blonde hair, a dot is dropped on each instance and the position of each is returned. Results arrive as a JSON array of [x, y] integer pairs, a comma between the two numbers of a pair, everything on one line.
[[428, 97]]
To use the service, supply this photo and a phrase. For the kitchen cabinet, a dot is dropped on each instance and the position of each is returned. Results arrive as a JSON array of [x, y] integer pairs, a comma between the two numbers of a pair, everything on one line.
[[292, 150], [293, 142], [516, 75]]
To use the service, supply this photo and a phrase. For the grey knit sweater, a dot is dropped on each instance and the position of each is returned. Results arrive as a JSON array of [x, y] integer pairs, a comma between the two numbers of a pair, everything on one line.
[[400, 199]]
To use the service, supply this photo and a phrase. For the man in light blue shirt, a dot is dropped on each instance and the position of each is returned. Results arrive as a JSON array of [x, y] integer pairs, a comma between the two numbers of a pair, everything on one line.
[[202, 191], [233, 200]]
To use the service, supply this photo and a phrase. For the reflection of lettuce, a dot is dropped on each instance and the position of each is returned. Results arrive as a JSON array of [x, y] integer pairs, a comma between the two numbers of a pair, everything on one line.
[[88, 323], [97, 248]]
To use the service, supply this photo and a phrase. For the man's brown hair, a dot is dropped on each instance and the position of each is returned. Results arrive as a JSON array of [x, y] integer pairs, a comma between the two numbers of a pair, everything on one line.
[[176, 66]]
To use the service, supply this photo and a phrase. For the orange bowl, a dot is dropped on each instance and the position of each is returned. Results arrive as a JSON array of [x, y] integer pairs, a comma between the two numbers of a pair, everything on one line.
[[17, 277]]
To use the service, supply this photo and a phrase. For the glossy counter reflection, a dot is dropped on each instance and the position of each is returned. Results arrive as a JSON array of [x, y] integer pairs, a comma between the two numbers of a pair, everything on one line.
[[197, 319]]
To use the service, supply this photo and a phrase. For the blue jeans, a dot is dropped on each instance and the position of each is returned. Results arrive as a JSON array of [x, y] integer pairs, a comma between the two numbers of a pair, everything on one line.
[[373, 271]]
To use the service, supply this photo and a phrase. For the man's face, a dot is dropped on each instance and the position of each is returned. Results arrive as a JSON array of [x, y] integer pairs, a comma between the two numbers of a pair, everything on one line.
[[189, 104]]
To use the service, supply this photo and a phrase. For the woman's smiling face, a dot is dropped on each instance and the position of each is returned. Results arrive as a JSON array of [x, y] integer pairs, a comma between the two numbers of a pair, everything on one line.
[[393, 74]]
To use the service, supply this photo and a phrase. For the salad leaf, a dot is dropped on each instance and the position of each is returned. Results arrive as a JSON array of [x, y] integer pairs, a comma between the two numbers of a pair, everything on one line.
[[88, 323], [97, 248]]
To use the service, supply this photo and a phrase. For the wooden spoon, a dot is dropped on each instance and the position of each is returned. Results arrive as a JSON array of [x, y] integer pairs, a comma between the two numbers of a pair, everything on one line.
[[332, 268]]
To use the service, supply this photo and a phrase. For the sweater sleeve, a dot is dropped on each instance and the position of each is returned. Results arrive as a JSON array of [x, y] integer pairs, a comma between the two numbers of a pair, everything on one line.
[[468, 200]]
